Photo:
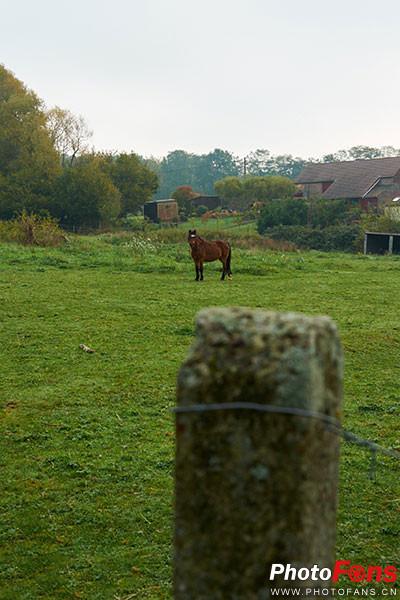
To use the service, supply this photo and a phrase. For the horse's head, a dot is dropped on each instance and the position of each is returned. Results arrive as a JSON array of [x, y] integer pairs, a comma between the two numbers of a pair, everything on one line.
[[192, 237]]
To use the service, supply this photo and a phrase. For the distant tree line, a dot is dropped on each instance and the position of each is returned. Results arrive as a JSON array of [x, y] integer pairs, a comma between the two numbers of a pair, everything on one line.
[[202, 171], [46, 166]]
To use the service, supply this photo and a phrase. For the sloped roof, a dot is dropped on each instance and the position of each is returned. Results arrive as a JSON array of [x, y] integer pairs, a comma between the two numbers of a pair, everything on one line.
[[350, 179], [160, 200]]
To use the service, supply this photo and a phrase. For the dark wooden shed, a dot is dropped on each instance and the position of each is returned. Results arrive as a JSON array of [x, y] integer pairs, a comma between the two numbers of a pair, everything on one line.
[[161, 211], [211, 202], [376, 242]]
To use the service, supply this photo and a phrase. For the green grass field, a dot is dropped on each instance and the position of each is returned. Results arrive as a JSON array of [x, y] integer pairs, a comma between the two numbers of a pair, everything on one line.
[[87, 441]]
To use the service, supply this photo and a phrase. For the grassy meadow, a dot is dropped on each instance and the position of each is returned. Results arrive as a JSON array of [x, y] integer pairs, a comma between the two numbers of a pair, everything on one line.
[[87, 440]]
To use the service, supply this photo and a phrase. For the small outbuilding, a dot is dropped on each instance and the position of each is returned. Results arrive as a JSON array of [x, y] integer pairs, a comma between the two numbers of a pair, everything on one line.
[[381, 243], [161, 211], [211, 202]]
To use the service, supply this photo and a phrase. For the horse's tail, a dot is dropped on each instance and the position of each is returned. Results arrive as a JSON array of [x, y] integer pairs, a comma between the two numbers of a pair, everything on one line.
[[228, 261]]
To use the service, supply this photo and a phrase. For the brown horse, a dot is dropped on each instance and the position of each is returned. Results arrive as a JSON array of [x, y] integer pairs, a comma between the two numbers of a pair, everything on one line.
[[203, 251]]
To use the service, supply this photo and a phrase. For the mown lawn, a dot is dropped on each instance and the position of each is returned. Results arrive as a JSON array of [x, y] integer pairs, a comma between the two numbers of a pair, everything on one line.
[[87, 441]]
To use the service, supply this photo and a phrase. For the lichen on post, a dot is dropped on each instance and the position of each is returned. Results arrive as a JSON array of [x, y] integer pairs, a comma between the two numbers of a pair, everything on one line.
[[253, 489]]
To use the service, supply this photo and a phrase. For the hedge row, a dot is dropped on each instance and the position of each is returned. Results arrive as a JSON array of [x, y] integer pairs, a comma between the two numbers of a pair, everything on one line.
[[338, 237], [311, 213]]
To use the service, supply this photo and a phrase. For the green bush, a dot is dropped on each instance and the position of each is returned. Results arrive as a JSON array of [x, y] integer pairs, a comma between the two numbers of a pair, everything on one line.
[[32, 230], [380, 223], [282, 212], [133, 223], [184, 195], [316, 224], [85, 197], [337, 237], [314, 213], [324, 213]]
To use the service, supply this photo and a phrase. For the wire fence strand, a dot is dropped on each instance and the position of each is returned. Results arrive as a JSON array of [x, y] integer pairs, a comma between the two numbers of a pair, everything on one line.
[[333, 425]]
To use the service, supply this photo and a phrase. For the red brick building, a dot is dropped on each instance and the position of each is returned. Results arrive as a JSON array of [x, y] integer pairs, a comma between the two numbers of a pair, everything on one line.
[[373, 182]]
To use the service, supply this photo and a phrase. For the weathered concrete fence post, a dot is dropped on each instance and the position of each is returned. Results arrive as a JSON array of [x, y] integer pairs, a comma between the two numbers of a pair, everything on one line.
[[255, 488]]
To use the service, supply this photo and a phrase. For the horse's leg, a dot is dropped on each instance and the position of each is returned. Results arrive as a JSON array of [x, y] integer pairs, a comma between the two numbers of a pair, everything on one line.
[[201, 271], [197, 271], [223, 269], [228, 263]]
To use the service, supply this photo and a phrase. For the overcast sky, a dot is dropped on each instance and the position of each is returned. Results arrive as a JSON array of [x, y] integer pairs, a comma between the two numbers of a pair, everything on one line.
[[302, 77]]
